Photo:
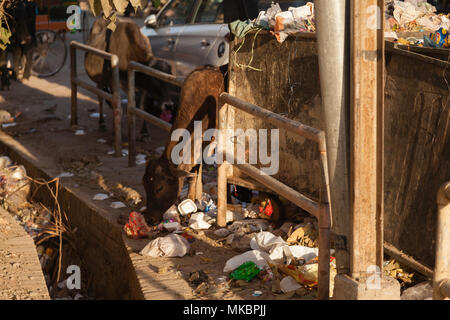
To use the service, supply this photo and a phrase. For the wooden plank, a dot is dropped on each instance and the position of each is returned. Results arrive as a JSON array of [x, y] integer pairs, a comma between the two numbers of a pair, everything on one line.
[[366, 148]]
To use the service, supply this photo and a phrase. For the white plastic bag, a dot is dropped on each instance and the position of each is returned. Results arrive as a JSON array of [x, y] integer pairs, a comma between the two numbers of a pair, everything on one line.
[[172, 245], [288, 284], [256, 256], [266, 241], [197, 221]]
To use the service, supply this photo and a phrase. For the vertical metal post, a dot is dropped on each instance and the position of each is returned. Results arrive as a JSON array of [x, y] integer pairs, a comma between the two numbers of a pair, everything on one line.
[[332, 34], [73, 76], [131, 118], [367, 92], [222, 170], [117, 108], [324, 252], [441, 279]]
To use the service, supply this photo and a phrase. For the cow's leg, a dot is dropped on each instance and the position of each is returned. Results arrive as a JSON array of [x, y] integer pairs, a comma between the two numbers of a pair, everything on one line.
[[17, 58], [101, 121], [180, 185], [192, 187], [28, 62], [199, 184]]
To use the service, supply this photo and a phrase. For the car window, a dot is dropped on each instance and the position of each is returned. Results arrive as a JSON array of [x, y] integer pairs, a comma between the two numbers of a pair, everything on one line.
[[177, 12], [210, 11]]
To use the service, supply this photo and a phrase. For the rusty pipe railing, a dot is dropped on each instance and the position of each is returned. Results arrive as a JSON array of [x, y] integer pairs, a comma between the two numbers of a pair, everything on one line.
[[132, 111], [319, 210], [441, 279], [114, 98]]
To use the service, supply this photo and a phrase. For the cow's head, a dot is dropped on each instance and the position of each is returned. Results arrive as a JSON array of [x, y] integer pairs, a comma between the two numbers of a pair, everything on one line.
[[161, 188], [161, 182]]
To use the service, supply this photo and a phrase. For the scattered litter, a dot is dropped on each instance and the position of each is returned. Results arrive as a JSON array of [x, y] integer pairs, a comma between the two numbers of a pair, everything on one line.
[[124, 152], [141, 159], [206, 204], [171, 214], [80, 132], [196, 278], [222, 233], [230, 238], [233, 216], [257, 293], [159, 151], [197, 221], [65, 175], [258, 257], [172, 245], [77, 296], [101, 140], [288, 284], [5, 161], [247, 271], [253, 225], [7, 125], [136, 227], [118, 205], [186, 207], [100, 197], [172, 226], [421, 291], [266, 241], [96, 115]]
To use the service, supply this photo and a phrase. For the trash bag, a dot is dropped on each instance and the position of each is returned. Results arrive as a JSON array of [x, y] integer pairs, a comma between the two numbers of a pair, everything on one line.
[[197, 221], [256, 256], [172, 245]]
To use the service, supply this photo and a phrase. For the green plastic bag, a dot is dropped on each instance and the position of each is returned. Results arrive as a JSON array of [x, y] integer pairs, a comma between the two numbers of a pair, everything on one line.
[[246, 271]]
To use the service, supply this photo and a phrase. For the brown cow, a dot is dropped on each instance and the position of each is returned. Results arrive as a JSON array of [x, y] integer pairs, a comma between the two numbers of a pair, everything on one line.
[[129, 44], [163, 180]]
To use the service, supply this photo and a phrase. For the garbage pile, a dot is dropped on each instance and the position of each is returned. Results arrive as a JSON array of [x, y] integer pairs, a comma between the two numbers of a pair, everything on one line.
[[413, 16], [39, 222], [284, 260], [280, 23], [417, 16], [400, 17]]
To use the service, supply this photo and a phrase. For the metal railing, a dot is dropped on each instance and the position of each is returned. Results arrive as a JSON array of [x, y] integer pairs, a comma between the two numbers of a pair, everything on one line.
[[114, 98], [320, 210], [132, 111], [441, 279]]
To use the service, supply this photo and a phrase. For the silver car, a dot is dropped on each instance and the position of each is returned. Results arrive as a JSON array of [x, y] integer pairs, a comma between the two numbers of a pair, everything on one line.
[[191, 33], [188, 34]]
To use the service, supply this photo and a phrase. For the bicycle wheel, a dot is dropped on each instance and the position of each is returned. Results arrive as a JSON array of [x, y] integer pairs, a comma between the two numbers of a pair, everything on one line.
[[49, 55]]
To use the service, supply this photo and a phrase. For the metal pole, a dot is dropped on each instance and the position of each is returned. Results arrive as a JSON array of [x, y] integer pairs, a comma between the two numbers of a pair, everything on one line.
[[131, 119], [441, 280], [117, 108], [73, 85], [332, 34]]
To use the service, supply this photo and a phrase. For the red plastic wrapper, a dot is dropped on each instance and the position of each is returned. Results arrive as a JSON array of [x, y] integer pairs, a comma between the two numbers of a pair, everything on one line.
[[136, 227]]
